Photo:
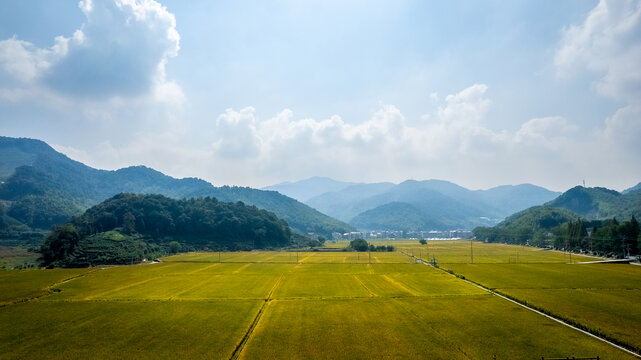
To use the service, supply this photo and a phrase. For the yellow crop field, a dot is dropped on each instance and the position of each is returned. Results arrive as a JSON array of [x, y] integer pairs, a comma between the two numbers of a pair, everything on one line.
[[262, 305]]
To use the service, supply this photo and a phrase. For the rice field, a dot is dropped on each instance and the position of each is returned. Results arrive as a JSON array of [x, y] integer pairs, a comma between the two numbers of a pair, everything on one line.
[[465, 251], [602, 297], [271, 305]]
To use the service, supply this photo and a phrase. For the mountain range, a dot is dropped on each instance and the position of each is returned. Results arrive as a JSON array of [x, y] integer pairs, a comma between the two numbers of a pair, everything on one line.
[[414, 205], [40, 187]]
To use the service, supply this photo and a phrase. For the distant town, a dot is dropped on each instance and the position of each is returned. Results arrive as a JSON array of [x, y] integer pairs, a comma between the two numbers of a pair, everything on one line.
[[400, 234]]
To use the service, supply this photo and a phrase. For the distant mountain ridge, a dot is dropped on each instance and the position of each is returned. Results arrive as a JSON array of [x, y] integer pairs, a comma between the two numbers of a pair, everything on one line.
[[424, 205], [41, 187], [304, 190], [636, 187]]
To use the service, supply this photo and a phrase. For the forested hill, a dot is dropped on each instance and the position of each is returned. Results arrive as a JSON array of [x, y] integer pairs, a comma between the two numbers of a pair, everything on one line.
[[599, 203], [298, 215], [41, 187], [596, 220], [127, 228]]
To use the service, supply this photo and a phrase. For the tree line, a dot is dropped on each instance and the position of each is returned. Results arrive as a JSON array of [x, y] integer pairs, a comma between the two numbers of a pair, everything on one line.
[[600, 237]]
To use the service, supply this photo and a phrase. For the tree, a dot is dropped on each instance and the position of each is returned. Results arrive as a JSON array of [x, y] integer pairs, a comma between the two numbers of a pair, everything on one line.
[[423, 241], [59, 243], [174, 247], [358, 245], [128, 223]]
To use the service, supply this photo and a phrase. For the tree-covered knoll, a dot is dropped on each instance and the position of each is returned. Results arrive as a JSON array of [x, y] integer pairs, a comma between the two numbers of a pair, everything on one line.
[[127, 228]]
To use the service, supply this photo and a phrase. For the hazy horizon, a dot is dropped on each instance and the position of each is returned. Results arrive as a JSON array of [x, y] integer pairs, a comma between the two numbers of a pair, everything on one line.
[[480, 94]]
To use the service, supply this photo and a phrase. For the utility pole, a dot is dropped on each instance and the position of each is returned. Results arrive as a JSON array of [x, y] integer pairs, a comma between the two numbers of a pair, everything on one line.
[[427, 244], [471, 252]]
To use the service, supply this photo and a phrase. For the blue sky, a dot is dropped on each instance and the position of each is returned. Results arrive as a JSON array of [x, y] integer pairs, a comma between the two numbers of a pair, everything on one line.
[[481, 93]]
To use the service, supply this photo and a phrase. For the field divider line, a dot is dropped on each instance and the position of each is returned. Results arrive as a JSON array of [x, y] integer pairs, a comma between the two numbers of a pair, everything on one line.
[[241, 268], [399, 285], [241, 346], [200, 283], [370, 292], [48, 290], [560, 321], [110, 291], [204, 268]]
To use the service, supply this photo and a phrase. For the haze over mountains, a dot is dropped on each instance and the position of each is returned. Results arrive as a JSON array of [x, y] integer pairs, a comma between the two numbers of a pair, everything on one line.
[[414, 205]]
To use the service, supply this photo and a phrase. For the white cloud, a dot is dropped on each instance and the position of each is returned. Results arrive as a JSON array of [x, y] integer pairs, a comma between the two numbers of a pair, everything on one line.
[[236, 134], [119, 52], [545, 131], [608, 43], [453, 143]]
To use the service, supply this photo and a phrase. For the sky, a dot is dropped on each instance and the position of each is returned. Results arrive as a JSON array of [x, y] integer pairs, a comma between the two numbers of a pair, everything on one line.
[[253, 93]]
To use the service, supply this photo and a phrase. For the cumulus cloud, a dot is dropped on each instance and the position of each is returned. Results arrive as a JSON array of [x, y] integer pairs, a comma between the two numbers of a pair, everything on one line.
[[386, 146], [607, 43], [120, 51], [236, 134]]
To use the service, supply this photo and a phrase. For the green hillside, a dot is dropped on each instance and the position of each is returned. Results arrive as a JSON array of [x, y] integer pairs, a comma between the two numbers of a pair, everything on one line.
[[397, 215]]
